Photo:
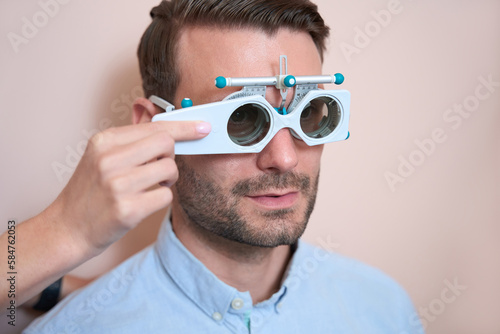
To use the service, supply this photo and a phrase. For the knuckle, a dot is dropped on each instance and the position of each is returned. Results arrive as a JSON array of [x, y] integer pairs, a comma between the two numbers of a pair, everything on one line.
[[117, 185], [166, 138], [164, 196], [102, 164], [174, 171], [122, 212], [96, 140], [100, 139], [168, 195], [170, 164], [103, 137], [110, 132], [170, 170]]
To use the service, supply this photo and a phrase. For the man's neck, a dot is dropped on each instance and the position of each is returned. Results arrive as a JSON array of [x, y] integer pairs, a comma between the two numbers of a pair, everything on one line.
[[258, 270]]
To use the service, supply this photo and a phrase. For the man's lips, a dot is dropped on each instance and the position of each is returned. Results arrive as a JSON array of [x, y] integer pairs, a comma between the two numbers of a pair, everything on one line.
[[276, 200]]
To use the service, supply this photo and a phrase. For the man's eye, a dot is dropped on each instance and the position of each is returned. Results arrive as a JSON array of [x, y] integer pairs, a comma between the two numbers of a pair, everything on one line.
[[306, 113], [311, 112], [320, 117], [239, 116], [248, 124]]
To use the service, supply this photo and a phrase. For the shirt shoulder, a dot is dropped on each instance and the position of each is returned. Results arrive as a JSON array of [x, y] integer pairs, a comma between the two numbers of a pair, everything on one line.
[[363, 296], [335, 267], [106, 301]]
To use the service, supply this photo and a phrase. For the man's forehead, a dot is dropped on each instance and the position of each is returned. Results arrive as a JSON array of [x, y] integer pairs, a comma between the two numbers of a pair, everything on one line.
[[205, 53]]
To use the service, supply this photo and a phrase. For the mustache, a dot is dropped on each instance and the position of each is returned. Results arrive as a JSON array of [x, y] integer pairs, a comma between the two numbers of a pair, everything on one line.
[[288, 180]]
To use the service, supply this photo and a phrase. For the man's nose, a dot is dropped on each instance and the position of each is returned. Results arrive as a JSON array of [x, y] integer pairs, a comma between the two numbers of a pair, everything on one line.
[[280, 154]]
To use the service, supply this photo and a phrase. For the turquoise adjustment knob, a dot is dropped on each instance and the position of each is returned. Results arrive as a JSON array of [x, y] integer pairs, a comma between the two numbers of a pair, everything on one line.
[[339, 78], [289, 81], [186, 103], [220, 82]]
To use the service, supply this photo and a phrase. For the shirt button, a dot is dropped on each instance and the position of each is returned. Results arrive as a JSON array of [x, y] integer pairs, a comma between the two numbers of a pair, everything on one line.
[[279, 306], [237, 303], [217, 316]]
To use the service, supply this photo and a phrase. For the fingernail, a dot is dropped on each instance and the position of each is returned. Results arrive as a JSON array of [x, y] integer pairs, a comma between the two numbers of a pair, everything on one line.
[[203, 127]]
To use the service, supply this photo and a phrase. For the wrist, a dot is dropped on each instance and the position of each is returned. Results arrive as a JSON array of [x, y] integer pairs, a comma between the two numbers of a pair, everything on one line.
[[66, 233]]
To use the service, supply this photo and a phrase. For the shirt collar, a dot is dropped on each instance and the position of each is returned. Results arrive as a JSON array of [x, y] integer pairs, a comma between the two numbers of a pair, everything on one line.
[[200, 285]]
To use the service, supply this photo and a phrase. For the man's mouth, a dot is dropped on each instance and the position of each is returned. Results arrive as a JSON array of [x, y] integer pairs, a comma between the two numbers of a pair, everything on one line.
[[275, 200]]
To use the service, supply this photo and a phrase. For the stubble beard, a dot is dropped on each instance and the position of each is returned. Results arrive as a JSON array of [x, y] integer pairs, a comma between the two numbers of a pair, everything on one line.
[[215, 211]]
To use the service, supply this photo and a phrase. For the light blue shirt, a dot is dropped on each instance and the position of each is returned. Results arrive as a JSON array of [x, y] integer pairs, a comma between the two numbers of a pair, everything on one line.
[[165, 289]]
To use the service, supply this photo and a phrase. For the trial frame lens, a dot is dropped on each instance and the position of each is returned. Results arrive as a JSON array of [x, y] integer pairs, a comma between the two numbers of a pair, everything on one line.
[[249, 124], [320, 117]]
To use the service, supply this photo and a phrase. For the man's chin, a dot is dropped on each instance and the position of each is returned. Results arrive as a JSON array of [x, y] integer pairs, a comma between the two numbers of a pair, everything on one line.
[[274, 228]]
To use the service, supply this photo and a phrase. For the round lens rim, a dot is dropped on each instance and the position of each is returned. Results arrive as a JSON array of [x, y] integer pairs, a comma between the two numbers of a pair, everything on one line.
[[338, 109], [256, 137]]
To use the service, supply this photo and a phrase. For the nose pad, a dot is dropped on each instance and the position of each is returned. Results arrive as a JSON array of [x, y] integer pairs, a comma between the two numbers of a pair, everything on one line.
[[284, 112]]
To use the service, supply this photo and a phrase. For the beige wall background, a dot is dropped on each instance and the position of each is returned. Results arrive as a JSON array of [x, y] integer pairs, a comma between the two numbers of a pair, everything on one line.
[[410, 66]]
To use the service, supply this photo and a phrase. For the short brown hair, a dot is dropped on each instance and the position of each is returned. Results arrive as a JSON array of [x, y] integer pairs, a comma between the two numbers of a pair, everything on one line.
[[157, 49]]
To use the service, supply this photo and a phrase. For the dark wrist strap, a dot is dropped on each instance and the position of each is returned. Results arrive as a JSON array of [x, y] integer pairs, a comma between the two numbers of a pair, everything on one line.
[[49, 297]]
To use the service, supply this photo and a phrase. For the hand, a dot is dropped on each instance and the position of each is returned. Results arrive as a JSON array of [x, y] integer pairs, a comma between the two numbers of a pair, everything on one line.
[[112, 189]]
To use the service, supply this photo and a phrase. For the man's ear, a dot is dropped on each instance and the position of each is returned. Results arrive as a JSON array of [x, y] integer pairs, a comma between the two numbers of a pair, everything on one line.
[[143, 111]]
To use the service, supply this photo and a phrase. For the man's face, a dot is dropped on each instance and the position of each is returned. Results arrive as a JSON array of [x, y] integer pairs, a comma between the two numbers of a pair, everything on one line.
[[260, 199]]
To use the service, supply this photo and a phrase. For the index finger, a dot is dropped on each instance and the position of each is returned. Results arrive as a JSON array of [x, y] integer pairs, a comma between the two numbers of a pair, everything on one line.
[[186, 130], [179, 130]]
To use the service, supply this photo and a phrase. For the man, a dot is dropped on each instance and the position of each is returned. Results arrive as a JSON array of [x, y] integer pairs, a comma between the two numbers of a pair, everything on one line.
[[228, 259]]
